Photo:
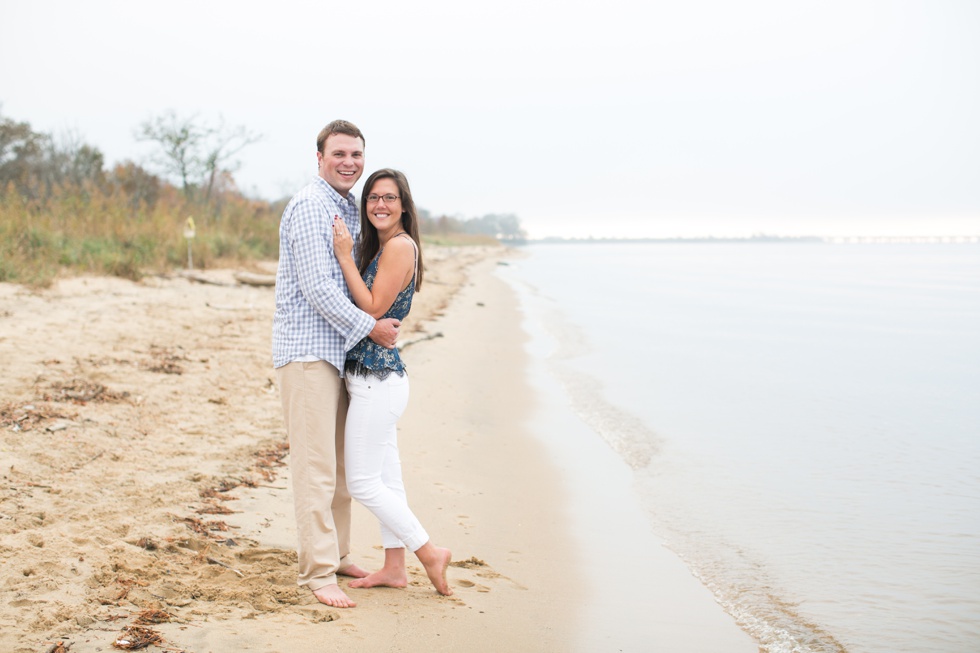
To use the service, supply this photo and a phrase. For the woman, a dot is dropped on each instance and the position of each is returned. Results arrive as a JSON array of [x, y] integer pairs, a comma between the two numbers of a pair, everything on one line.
[[390, 260]]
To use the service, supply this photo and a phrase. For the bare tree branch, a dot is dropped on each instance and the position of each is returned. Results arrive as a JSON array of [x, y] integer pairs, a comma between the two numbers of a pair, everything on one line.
[[194, 151]]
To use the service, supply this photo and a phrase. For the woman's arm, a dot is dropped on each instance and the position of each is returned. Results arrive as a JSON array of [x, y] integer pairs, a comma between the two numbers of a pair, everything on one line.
[[394, 271]]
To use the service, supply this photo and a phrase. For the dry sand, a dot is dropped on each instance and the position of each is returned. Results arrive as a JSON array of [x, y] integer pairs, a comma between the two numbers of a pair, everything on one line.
[[142, 459]]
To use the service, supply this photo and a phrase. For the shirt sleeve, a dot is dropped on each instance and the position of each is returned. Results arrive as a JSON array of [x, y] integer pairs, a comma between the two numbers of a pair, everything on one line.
[[311, 240]]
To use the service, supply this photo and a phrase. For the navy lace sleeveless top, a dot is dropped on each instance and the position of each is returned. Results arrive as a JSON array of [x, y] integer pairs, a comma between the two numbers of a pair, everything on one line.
[[368, 358]]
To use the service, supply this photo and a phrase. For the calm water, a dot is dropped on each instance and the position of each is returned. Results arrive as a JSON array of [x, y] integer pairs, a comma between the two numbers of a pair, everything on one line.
[[802, 422]]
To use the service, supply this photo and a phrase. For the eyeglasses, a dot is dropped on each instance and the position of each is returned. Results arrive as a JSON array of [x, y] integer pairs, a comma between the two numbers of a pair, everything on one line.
[[389, 198]]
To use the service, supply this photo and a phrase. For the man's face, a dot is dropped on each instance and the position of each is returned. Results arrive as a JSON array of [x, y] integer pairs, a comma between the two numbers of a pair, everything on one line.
[[341, 162]]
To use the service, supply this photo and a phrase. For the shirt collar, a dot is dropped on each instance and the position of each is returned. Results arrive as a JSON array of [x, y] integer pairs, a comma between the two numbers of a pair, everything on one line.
[[332, 192]]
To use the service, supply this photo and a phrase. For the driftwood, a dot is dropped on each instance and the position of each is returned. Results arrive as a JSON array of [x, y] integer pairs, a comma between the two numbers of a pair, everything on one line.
[[191, 275], [255, 279], [242, 277], [212, 561], [408, 343]]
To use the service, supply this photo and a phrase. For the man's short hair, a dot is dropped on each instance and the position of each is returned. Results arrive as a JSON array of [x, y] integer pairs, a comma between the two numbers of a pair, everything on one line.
[[338, 127]]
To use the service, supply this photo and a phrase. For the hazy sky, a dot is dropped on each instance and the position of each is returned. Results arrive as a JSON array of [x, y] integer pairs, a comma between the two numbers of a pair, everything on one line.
[[611, 118]]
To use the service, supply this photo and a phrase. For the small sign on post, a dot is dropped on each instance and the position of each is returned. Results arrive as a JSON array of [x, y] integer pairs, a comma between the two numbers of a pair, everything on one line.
[[189, 235]]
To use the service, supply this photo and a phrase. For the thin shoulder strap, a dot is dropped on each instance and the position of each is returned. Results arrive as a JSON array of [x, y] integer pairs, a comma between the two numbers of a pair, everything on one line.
[[416, 248]]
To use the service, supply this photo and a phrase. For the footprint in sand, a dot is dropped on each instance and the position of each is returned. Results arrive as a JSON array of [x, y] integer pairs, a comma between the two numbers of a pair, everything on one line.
[[318, 615], [468, 583], [482, 570]]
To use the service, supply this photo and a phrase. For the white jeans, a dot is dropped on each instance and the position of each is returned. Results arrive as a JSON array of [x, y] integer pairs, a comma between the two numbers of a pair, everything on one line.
[[374, 470]]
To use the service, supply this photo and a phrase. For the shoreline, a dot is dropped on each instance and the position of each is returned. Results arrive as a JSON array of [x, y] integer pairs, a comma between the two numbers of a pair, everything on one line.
[[650, 600], [147, 475]]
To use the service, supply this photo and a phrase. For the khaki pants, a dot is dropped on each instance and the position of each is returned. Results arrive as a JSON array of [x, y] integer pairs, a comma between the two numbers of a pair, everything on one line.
[[314, 404]]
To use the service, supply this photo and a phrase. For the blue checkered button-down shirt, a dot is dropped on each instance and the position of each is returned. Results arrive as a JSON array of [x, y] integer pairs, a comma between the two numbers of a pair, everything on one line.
[[314, 314]]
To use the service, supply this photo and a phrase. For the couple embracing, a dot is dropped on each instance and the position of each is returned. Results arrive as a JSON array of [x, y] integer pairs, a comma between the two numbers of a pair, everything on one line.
[[345, 281]]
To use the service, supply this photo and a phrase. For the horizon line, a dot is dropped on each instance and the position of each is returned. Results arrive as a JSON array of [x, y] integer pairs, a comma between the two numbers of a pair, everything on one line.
[[940, 239]]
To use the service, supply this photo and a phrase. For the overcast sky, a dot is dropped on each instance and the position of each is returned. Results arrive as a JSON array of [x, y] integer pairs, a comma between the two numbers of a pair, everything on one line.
[[611, 118]]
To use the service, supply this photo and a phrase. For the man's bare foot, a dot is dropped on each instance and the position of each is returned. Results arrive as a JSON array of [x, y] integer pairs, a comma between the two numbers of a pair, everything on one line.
[[333, 596], [353, 571], [436, 564], [384, 577]]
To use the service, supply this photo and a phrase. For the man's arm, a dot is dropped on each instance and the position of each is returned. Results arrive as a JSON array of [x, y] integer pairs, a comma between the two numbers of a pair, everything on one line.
[[310, 237]]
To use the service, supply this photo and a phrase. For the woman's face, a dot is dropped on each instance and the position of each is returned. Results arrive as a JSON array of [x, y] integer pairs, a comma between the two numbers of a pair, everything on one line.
[[383, 214]]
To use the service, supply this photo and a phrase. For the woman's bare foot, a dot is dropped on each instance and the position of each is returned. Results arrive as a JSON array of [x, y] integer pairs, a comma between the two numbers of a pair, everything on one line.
[[436, 561], [333, 596], [353, 571], [392, 574], [383, 577]]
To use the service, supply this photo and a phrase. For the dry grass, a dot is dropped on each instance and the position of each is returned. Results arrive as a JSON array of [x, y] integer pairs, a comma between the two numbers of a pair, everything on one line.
[[97, 231]]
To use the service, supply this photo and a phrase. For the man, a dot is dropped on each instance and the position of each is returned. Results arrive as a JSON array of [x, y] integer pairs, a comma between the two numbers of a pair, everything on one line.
[[314, 325]]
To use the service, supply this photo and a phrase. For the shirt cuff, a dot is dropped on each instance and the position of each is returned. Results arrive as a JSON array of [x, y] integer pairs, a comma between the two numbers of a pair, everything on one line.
[[364, 327]]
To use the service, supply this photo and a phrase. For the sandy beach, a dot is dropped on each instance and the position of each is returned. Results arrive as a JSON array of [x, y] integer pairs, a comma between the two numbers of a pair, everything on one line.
[[146, 490]]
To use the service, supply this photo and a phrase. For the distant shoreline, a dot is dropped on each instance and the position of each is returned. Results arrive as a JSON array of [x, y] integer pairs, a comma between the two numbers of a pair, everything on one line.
[[831, 240]]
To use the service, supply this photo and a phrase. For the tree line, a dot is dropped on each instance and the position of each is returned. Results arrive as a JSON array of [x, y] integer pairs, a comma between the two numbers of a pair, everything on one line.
[[502, 227], [62, 208], [198, 155]]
